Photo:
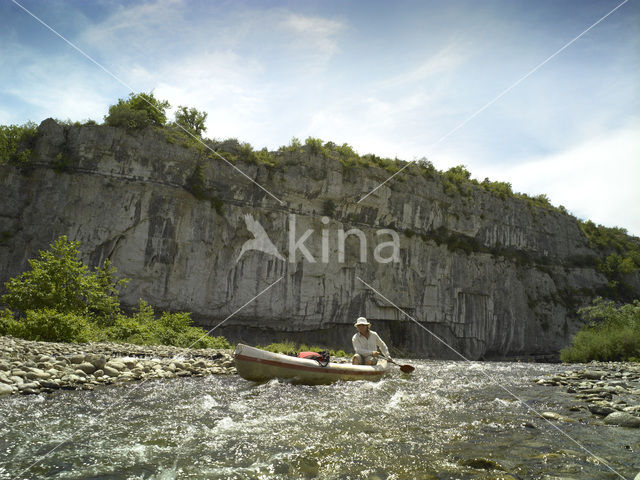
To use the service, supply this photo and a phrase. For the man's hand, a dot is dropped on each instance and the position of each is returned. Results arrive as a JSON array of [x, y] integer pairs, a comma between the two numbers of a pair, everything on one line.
[[375, 354]]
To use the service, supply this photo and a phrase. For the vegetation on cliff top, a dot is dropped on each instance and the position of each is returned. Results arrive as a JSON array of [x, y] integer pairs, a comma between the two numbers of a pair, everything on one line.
[[60, 299], [142, 110]]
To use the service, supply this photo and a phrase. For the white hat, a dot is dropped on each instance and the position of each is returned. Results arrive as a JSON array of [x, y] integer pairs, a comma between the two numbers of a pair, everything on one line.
[[361, 321]]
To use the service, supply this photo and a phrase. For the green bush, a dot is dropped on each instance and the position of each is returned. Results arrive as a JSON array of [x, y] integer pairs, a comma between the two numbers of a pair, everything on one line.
[[9, 325], [176, 329], [196, 184], [611, 334], [61, 300], [500, 189], [16, 143], [139, 111], [294, 146], [314, 145], [619, 258], [50, 325], [59, 280]]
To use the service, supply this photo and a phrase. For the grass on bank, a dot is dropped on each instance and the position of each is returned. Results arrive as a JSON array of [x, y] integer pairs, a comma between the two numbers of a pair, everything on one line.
[[288, 347], [611, 334]]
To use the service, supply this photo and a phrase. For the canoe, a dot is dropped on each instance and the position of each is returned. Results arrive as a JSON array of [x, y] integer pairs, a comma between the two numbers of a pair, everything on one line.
[[259, 365]]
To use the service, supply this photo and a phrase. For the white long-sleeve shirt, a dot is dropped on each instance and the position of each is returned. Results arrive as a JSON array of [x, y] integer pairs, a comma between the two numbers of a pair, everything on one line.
[[366, 346]]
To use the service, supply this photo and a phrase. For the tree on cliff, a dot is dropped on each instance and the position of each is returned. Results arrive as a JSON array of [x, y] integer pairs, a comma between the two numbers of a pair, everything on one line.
[[138, 111], [191, 119]]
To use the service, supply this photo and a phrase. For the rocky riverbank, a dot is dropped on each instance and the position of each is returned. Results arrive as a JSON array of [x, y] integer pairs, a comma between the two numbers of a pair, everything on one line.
[[608, 390], [29, 367]]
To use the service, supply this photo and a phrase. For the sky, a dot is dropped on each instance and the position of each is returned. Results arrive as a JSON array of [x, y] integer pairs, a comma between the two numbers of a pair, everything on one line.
[[453, 81]]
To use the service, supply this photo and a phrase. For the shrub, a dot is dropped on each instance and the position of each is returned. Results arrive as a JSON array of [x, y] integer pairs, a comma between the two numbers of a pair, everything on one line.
[[59, 280], [196, 184], [8, 324], [314, 145], [500, 189], [139, 111], [170, 329], [16, 143], [294, 146], [245, 152], [50, 325], [264, 157], [426, 168], [611, 334], [328, 208]]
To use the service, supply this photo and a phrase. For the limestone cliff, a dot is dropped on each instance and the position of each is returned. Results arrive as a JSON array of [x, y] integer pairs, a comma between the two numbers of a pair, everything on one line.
[[491, 277]]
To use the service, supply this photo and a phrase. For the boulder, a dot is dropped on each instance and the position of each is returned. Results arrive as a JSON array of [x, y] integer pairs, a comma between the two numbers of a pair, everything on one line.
[[600, 409], [593, 374], [116, 365], [86, 367], [110, 371], [98, 361], [77, 358], [622, 419], [5, 389]]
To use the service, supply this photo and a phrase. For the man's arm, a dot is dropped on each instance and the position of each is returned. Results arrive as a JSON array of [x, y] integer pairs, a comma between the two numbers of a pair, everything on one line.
[[382, 345]]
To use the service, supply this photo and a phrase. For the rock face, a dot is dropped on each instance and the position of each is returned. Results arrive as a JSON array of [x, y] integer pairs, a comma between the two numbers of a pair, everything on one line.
[[491, 277]]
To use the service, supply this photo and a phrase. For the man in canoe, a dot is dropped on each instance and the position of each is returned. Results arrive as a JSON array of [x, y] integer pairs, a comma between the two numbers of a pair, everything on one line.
[[365, 343]]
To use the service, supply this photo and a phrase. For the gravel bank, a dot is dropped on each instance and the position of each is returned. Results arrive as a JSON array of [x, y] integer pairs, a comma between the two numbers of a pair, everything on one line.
[[29, 367], [609, 390]]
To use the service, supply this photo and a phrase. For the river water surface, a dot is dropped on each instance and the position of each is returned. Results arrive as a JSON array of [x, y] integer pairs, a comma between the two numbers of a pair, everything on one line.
[[447, 420]]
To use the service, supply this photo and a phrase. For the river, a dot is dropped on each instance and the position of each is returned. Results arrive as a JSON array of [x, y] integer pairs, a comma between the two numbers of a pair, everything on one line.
[[447, 420]]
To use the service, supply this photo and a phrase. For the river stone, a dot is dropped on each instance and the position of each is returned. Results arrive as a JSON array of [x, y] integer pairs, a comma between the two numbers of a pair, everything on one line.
[[37, 374], [129, 362], [593, 374], [599, 409], [115, 364], [49, 383], [86, 367], [112, 372], [637, 476], [5, 379], [98, 373], [5, 389], [622, 419], [17, 380], [96, 360], [481, 464], [557, 417], [77, 358], [28, 386], [30, 391]]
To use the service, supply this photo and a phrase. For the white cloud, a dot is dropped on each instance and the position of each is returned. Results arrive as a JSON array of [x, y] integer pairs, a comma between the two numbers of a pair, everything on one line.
[[596, 180], [54, 85], [446, 60], [315, 32]]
